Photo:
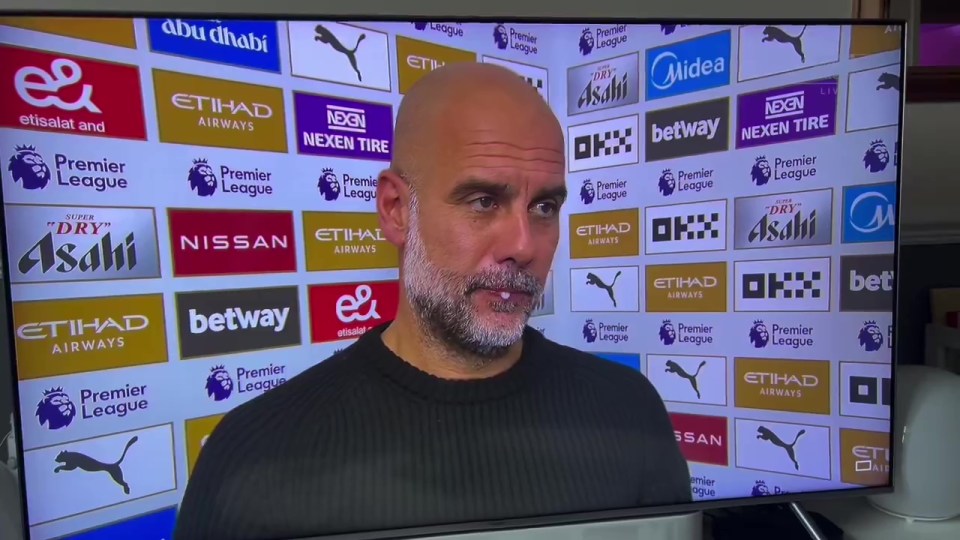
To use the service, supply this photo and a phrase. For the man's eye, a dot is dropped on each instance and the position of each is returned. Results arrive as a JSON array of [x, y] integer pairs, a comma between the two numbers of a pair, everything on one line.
[[483, 203], [547, 208]]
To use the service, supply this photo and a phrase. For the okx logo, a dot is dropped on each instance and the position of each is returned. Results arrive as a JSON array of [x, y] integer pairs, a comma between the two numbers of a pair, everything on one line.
[[688, 66], [212, 323], [869, 213], [688, 130], [249, 44], [70, 94], [348, 310], [605, 143], [782, 285]]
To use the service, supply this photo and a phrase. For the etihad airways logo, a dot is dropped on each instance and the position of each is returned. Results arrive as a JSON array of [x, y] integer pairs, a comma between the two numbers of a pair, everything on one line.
[[801, 386], [416, 58], [614, 233], [204, 111], [346, 241], [686, 288], [348, 310]]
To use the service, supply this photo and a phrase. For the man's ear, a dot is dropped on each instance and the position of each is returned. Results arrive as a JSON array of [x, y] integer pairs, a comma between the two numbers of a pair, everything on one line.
[[393, 198]]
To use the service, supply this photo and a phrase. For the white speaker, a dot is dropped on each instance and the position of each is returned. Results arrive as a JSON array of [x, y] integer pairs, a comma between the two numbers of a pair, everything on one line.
[[926, 440]]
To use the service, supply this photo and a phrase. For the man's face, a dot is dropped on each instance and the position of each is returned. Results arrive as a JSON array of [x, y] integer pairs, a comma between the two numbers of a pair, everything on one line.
[[482, 235]]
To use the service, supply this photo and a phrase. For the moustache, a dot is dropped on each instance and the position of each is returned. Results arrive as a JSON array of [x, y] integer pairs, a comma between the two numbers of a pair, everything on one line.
[[518, 281]]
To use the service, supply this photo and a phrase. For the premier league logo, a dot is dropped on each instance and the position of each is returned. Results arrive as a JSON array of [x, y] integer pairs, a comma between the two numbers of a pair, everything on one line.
[[587, 193], [328, 185], [759, 336], [761, 172], [28, 168], [589, 331], [219, 384], [876, 157], [668, 334], [55, 410], [667, 183], [500, 36], [586, 42], [420, 25], [202, 178], [871, 338]]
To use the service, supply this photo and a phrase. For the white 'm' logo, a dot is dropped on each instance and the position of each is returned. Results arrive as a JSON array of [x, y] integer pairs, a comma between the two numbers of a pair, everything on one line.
[[63, 73], [348, 306]]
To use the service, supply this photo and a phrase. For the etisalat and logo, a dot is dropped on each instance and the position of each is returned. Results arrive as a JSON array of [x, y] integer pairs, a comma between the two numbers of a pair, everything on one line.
[[795, 168], [685, 180], [877, 156], [204, 180], [791, 336], [56, 410], [602, 37], [332, 187], [28, 168], [605, 333], [220, 384], [507, 37], [697, 335], [870, 336], [602, 191], [450, 30]]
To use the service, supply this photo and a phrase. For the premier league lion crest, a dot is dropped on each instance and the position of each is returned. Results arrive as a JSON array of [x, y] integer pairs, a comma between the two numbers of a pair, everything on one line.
[[761, 172], [589, 331], [587, 193], [667, 183], [871, 338], [500, 36], [876, 157], [219, 384], [668, 334], [202, 178], [759, 335], [28, 168], [56, 410], [328, 185], [586, 42]]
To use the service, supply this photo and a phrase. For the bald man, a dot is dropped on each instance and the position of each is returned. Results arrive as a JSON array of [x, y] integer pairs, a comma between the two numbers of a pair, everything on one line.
[[457, 411]]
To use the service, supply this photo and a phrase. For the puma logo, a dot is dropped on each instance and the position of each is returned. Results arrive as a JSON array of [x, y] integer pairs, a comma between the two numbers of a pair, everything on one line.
[[767, 435], [673, 367], [593, 279], [888, 81], [71, 461], [772, 33], [326, 36]]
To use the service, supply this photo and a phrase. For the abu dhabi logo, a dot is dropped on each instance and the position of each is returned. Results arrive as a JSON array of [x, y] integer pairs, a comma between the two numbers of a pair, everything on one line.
[[202, 179], [589, 331], [28, 168], [766, 434], [870, 336], [328, 185], [676, 369], [888, 81], [761, 172], [219, 383], [773, 34], [586, 42], [587, 192], [668, 333], [593, 279], [876, 158], [668, 29], [325, 36], [667, 183], [71, 461], [759, 335], [56, 410]]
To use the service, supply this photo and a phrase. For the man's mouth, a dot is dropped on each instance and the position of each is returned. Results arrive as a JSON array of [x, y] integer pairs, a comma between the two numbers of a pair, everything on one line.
[[507, 294]]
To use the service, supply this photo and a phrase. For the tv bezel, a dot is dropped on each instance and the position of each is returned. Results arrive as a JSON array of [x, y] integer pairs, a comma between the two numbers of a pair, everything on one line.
[[531, 522]]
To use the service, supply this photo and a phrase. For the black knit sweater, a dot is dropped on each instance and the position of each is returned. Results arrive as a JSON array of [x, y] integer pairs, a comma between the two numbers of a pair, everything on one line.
[[365, 441]]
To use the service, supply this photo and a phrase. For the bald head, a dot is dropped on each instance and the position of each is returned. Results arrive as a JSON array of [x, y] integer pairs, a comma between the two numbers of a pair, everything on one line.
[[459, 100]]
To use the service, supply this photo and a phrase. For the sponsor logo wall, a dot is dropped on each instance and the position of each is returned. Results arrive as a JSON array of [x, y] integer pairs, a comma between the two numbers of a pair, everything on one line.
[[190, 209]]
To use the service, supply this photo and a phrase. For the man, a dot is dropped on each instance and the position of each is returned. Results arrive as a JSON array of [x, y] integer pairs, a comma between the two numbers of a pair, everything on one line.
[[457, 411]]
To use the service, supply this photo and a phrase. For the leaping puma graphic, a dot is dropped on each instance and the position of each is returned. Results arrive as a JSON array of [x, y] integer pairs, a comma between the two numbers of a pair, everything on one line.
[[767, 435], [772, 33], [593, 279], [673, 367], [326, 36], [70, 461]]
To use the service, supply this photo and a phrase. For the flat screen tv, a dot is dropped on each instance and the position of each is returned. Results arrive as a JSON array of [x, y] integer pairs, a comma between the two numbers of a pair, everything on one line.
[[736, 185]]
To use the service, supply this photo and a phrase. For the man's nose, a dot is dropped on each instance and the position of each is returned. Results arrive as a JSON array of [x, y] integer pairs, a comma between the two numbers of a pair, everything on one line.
[[515, 239]]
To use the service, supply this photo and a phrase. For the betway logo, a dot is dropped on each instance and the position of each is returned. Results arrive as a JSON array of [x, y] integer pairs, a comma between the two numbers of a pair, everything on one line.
[[681, 129], [233, 319]]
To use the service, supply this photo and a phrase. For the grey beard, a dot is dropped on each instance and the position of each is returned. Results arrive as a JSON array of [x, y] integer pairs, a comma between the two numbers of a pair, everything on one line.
[[442, 307]]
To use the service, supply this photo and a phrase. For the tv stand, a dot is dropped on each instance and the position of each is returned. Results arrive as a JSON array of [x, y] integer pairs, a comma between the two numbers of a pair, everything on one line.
[[770, 521], [807, 522]]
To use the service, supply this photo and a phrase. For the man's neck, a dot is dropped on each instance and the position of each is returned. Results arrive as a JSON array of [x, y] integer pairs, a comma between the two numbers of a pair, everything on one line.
[[405, 337]]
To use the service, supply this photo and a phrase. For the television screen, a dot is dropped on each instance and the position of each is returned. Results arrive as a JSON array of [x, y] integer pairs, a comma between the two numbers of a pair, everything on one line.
[[190, 223]]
